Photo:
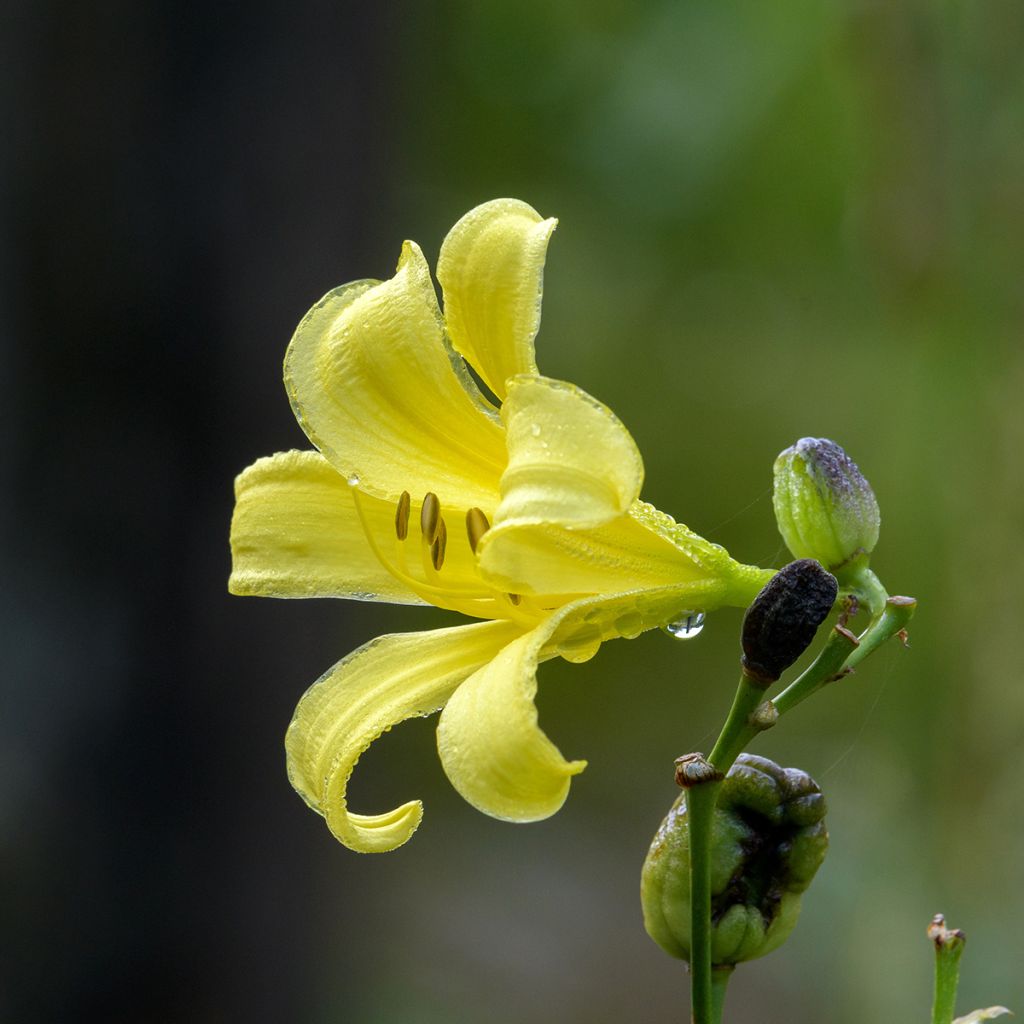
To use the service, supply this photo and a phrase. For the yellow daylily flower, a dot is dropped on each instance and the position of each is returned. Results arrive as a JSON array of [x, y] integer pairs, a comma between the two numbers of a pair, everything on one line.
[[519, 508]]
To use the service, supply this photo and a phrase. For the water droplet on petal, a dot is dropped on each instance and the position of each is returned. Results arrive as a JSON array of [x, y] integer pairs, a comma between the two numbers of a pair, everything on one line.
[[535, 430], [630, 625], [582, 645], [579, 653], [686, 626], [353, 479]]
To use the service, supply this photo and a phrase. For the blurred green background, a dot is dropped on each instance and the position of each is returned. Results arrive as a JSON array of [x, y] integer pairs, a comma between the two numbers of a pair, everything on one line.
[[776, 220]]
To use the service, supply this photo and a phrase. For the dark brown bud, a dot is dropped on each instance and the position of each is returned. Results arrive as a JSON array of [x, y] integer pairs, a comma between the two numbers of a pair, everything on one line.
[[781, 623]]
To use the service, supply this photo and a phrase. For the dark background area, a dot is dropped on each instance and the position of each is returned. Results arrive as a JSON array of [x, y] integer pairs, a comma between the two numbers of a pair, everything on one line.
[[776, 220]]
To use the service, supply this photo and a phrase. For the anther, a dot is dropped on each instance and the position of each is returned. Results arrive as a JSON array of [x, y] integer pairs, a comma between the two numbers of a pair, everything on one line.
[[430, 517], [476, 526], [440, 543], [402, 516]]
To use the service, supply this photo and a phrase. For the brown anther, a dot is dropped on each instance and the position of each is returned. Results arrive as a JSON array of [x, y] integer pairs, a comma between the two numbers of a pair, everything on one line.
[[430, 517], [476, 526], [515, 598], [402, 516], [440, 543]]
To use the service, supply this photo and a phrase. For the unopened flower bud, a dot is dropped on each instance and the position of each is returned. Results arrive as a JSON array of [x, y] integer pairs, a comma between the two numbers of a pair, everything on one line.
[[823, 505], [768, 839], [780, 625]]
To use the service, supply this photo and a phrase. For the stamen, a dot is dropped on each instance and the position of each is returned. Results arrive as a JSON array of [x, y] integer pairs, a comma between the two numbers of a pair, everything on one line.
[[437, 548], [476, 526], [475, 604], [430, 516], [402, 516], [479, 604]]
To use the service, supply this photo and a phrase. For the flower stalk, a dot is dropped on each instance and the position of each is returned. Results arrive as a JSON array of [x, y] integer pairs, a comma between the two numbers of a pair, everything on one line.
[[742, 724], [778, 627], [949, 947], [701, 802]]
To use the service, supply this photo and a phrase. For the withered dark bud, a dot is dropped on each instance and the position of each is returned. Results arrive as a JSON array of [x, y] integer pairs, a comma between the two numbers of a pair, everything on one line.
[[781, 623]]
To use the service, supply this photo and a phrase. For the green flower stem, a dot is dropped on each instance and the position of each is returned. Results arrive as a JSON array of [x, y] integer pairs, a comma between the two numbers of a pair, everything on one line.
[[707, 981], [897, 613], [749, 715], [720, 976], [741, 726], [701, 801], [868, 588], [827, 665], [948, 951], [843, 652]]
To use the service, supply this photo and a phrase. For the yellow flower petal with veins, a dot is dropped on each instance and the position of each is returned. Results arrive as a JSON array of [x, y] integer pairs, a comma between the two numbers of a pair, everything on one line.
[[368, 372], [422, 492], [491, 270], [570, 459], [492, 748], [644, 548], [381, 684], [296, 533]]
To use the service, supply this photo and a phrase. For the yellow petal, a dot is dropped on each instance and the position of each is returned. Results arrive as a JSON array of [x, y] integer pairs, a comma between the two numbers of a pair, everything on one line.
[[491, 747], [378, 391], [643, 549], [570, 460], [490, 743], [383, 683], [491, 270], [295, 533]]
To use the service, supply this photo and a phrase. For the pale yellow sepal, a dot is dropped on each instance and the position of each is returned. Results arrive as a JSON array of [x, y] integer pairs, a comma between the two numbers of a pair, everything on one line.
[[570, 459], [976, 1016], [492, 749], [491, 270], [295, 533], [386, 681], [378, 391]]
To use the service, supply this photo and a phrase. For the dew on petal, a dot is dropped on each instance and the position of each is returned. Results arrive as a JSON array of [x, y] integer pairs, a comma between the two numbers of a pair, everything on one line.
[[686, 626], [630, 625], [581, 646]]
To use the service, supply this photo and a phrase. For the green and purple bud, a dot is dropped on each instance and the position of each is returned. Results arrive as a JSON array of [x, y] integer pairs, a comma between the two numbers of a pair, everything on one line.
[[824, 507]]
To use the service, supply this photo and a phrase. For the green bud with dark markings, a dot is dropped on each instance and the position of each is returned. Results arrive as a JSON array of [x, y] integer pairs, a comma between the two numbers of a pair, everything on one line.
[[824, 506], [768, 840]]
